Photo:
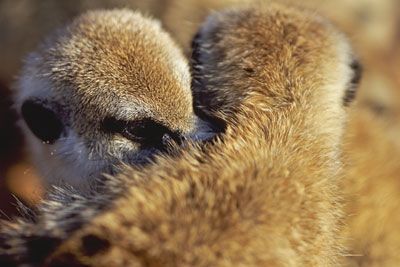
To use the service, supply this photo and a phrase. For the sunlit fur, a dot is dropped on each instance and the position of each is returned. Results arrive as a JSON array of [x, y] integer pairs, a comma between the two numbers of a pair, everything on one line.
[[115, 64], [264, 193], [371, 146], [371, 186]]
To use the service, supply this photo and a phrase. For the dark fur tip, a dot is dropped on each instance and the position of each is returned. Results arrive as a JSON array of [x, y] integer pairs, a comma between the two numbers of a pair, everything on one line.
[[195, 55], [351, 91]]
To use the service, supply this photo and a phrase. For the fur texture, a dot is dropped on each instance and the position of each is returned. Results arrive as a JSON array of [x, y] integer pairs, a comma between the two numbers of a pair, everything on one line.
[[371, 153], [105, 78], [371, 187], [264, 193]]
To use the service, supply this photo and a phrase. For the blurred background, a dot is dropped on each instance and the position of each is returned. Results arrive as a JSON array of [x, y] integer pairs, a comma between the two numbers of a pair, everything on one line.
[[372, 142]]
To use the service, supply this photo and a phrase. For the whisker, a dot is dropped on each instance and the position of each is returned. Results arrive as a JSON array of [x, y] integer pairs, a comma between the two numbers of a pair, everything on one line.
[[5, 215]]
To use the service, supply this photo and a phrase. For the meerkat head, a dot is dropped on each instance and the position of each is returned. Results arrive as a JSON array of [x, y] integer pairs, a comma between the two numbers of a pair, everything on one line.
[[251, 53], [110, 87]]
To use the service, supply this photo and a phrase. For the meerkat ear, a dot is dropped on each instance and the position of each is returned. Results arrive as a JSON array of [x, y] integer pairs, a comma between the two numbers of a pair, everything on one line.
[[42, 121], [357, 71]]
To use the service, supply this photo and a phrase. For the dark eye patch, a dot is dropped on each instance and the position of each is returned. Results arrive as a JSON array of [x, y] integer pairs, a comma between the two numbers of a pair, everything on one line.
[[42, 121], [350, 93], [146, 131]]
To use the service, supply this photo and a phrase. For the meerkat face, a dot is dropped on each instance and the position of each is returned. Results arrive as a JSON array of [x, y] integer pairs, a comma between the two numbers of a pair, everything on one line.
[[111, 87]]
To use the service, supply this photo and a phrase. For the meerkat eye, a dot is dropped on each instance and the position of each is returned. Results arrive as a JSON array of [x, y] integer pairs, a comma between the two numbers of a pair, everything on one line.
[[145, 131], [350, 94], [42, 121]]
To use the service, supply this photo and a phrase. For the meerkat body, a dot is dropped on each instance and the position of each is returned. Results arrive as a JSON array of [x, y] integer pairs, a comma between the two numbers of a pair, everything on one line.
[[371, 146], [262, 194], [109, 88]]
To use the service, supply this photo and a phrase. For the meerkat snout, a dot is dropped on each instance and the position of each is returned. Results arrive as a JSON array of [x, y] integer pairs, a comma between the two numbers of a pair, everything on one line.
[[111, 87]]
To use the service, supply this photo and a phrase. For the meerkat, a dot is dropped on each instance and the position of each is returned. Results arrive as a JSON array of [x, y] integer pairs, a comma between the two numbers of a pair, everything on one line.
[[372, 215], [110, 88], [371, 145], [263, 193]]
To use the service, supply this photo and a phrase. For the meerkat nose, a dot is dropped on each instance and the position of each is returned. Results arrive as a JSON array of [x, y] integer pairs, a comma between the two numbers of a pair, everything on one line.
[[42, 121]]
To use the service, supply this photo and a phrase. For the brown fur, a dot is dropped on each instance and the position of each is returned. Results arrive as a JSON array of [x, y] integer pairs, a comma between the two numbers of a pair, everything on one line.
[[124, 46], [371, 187], [371, 25], [25, 22], [372, 194], [265, 210], [264, 193], [106, 65]]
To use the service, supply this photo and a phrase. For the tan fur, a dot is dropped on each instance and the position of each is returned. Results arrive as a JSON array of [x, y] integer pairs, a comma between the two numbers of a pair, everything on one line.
[[105, 65], [372, 191], [265, 193], [372, 194], [373, 234], [370, 24], [24, 23]]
